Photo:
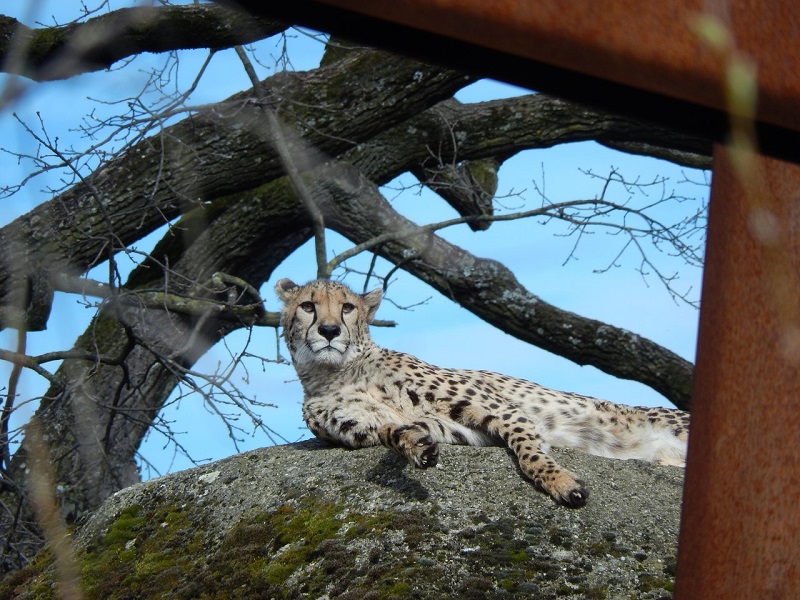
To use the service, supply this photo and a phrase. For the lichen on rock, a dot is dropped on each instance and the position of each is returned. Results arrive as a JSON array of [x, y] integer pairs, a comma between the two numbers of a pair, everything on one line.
[[311, 521]]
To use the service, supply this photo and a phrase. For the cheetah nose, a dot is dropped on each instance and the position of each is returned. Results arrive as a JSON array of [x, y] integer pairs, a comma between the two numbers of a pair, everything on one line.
[[329, 331]]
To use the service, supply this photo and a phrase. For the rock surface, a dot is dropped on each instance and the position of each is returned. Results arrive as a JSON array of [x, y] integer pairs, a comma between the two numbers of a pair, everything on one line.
[[310, 521]]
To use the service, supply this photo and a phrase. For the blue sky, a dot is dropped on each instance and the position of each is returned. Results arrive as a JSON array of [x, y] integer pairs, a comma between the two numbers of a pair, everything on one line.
[[437, 330]]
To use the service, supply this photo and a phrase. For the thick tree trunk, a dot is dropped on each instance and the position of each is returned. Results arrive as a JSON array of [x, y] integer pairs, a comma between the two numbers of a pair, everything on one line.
[[95, 422]]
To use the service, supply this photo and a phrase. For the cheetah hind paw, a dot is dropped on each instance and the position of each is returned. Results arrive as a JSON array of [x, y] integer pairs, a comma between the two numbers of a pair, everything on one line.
[[565, 490]]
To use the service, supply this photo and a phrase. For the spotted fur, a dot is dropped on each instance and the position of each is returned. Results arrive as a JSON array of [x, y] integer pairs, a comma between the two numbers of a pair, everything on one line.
[[357, 394]]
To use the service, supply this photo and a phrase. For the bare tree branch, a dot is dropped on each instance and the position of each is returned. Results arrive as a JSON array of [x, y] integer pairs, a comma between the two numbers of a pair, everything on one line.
[[489, 290], [452, 132], [693, 160], [59, 52]]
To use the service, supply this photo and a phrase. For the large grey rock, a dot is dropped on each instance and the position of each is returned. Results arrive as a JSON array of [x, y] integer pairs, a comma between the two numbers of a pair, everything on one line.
[[310, 521]]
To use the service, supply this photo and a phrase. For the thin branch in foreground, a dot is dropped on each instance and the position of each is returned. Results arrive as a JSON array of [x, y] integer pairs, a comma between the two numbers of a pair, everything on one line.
[[280, 143], [8, 405]]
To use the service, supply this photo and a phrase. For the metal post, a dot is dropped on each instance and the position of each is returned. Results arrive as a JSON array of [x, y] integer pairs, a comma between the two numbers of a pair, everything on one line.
[[740, 528]]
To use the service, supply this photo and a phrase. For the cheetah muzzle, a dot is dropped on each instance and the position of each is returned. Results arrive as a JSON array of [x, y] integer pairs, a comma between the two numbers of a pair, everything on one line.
[[357, 394]]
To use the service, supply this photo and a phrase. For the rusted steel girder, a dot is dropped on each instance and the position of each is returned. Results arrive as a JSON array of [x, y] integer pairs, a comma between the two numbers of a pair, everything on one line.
[[740, 526], [739, 535], [644, 59], [649, 45]]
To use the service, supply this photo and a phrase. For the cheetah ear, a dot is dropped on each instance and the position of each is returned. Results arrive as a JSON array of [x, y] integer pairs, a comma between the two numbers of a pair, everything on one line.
[[286, 289], [372, 300]]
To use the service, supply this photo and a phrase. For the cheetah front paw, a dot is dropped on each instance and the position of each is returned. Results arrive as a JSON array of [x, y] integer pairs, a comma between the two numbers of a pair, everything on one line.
[[571, 496], [420, 450], [414, 443], [426, 453]]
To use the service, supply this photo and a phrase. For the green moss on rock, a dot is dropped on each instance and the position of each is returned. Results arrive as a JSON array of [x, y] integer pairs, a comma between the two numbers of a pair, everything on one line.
[[142, 553], [309, 522], [299, 550]]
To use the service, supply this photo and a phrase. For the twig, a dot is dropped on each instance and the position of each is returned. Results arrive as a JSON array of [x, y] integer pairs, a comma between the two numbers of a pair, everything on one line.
[[431, 227], [8, 406], [281, 146]]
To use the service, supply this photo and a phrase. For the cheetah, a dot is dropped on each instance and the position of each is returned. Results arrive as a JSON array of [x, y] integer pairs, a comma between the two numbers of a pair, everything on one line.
[[357, 394]]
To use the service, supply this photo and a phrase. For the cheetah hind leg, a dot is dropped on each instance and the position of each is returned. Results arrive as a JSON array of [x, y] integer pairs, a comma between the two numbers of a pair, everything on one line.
[[411, 441], [547, 476]]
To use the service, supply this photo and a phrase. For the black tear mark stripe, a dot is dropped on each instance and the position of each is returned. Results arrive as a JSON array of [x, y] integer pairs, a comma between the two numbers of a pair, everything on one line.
[[310, 327]]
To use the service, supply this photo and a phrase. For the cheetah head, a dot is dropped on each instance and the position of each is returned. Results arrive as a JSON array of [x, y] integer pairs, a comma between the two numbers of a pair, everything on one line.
[[324, 322]]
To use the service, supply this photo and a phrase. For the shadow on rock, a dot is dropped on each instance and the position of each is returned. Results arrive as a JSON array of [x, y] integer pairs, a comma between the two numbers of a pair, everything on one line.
[[391, 472]]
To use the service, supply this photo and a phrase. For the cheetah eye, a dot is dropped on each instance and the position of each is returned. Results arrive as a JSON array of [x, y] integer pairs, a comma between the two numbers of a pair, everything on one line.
[[307, 306], [347, 308]]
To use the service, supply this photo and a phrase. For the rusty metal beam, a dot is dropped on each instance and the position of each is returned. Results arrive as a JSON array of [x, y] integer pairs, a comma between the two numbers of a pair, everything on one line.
[[626, 56], [648, 45], [740, 527]]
